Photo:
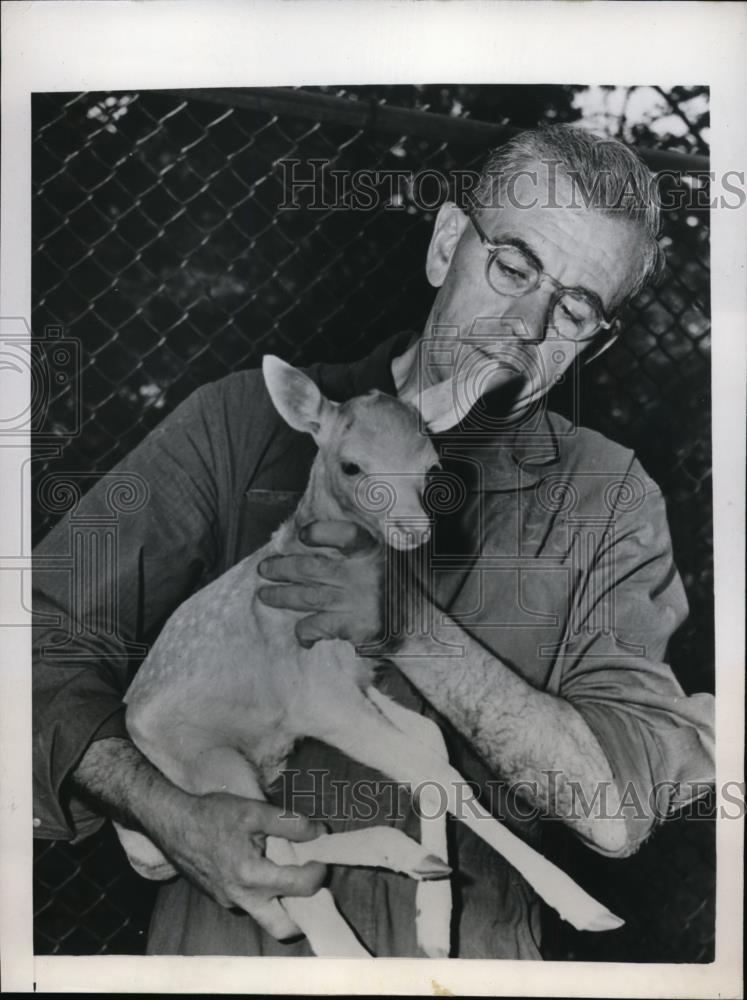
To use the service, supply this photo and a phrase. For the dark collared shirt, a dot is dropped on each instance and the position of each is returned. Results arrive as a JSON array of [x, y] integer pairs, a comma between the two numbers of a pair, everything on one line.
[[553, 552]]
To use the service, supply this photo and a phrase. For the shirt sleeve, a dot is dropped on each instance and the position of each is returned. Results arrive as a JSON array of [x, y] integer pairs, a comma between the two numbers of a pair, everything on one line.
[[658, 741], [105, 579]]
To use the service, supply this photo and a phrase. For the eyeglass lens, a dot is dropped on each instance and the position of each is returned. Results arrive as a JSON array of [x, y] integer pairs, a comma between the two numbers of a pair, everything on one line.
[[511, 272]]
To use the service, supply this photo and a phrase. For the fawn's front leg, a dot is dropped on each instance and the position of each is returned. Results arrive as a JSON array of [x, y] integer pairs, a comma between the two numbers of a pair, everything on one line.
[[433, 903]]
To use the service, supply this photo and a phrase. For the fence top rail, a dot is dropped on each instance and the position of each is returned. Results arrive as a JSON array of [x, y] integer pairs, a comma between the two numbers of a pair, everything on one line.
[[371, 115]]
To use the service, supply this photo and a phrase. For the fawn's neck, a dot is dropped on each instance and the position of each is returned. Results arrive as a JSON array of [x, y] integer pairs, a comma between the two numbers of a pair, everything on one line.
[[317, 504]]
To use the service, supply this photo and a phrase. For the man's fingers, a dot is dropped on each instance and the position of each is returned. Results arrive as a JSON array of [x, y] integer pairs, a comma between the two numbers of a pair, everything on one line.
[[278, 823], [349, 538], [301, 597], [326, 625], [299, 569], [287, 880]]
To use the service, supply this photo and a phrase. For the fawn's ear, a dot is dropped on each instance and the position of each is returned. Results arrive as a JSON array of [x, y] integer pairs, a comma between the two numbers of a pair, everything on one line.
[[297, 399]]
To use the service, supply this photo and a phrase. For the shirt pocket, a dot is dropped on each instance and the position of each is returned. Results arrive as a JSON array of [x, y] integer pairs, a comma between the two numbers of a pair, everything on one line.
[[262, 512]]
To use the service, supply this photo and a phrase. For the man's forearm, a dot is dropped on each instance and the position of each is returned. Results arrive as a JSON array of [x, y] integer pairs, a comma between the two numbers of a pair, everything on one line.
[[120, 783], [524, 735], [216, 840]]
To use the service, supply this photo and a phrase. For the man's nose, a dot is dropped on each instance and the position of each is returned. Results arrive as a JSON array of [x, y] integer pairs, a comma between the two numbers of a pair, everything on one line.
[[526, 317]]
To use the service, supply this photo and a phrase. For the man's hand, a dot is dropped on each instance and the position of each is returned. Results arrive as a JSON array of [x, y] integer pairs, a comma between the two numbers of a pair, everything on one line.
[[216, 840], [344, 591], [218, 843]]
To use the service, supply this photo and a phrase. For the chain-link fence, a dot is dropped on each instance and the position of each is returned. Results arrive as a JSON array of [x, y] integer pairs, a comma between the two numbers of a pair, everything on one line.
[[166, 244]]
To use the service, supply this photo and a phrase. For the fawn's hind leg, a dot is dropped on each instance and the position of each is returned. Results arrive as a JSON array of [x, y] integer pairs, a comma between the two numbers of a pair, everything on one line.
[[225, 769], [147, 860], [167, 749]]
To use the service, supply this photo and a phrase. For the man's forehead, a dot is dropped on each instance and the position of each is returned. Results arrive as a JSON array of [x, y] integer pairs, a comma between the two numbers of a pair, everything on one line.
[[536, 196], [600, 251]]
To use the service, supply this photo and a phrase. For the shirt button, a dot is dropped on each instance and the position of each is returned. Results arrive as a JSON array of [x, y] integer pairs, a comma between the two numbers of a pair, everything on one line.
[[37, 821]]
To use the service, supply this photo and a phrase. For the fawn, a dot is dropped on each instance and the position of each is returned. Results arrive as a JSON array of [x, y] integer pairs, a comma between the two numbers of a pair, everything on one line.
[[227, 690]]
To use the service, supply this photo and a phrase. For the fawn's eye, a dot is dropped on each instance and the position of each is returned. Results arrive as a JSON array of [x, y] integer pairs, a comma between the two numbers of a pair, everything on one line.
[[350, 468]]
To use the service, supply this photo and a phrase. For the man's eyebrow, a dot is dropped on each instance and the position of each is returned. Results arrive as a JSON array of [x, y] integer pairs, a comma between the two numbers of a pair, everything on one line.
[[522, 245]]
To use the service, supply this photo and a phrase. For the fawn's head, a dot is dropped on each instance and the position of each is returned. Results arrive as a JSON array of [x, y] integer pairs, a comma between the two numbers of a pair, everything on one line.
[[373, 456]]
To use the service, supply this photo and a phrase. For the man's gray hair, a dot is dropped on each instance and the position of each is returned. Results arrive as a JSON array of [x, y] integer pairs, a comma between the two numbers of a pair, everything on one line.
[[605, 175]]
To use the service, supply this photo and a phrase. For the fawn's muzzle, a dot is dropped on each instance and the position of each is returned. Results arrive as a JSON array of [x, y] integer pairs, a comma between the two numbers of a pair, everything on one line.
[[406, 535]]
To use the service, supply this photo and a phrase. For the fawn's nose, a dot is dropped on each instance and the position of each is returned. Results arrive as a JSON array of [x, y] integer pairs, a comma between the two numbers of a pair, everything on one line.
[[410, 534]]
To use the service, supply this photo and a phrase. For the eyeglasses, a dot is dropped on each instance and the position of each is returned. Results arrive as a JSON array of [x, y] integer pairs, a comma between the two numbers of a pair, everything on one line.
[[574, 313]]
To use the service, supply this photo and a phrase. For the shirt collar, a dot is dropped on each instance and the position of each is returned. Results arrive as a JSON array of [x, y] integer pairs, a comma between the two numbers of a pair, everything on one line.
[[513, 458], [341, 382]]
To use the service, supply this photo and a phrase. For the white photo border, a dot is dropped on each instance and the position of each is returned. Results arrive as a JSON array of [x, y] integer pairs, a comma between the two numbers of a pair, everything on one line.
[[120, 45]]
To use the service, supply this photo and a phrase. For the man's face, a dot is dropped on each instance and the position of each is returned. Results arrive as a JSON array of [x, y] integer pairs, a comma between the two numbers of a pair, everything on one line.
[[505, 340]]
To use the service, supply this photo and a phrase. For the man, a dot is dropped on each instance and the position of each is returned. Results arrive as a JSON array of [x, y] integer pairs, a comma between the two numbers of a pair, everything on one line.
[[549, 597]]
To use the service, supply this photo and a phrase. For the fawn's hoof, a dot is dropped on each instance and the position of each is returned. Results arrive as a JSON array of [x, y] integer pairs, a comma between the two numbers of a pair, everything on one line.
[[431, 867], [159, 872]]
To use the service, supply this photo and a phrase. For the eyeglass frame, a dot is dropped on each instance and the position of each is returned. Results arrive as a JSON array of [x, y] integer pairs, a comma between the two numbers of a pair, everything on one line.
[[492, 247]]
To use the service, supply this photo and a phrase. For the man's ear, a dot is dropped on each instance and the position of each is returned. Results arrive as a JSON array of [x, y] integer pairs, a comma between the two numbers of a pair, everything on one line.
[[449, 226], [297, 399]]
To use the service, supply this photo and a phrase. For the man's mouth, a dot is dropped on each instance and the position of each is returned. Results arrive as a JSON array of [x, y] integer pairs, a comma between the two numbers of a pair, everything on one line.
[[498, 383]]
